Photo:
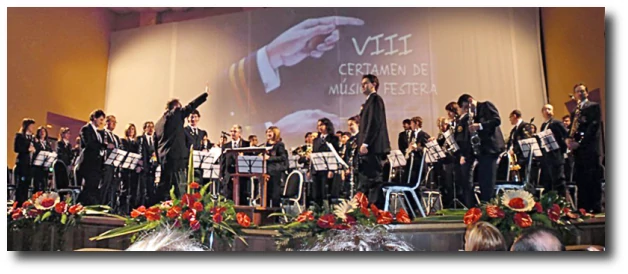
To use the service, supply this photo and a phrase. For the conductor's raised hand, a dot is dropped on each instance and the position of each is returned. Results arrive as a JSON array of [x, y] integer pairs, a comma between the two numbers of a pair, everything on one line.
[[312, 38]]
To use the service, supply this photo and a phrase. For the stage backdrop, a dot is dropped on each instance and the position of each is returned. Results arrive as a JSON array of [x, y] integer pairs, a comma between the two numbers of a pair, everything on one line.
[[291, 66]]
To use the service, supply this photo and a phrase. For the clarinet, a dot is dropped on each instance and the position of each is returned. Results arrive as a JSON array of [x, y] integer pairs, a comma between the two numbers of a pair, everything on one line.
[[475, 138]]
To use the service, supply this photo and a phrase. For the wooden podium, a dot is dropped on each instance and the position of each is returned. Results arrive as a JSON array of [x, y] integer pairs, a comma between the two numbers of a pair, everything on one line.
[[247, 166]]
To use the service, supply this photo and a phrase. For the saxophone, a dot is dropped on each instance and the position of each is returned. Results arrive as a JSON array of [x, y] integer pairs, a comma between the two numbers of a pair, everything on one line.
[[475, 138], [575, 123]]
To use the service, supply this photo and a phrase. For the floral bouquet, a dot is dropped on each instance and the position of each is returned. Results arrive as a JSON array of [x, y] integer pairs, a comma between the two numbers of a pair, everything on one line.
[[516, 210], [207, 217], [45, 207], [346, 215]]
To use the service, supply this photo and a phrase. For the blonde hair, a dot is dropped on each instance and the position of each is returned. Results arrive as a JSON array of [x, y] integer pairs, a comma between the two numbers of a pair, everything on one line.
[[483, 236]]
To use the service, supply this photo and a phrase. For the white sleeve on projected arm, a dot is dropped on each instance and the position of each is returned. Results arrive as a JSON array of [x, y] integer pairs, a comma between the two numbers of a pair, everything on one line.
[[269, 76]]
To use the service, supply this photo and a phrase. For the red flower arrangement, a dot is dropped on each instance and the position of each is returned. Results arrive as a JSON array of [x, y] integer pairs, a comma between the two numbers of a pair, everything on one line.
[[45, 207], [515, 210]]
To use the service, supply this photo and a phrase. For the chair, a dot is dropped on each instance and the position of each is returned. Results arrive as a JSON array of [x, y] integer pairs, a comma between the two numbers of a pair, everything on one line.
[[433, 195], [292, 195], [508, 184], [390, 189], [59, 166]]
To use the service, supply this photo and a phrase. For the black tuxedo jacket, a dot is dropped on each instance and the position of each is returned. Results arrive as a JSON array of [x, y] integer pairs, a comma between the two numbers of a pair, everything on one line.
[[195, 140], [146, 151], [421, 140], [170, 137], [21, 144], [64, 152], [373, 128], [278, 158], [228, 161], [91, 159], [560, 133], [588, 131], [320, 146], [132, 145], [403, 141], [491, 137], [461, 134], [518, 133]]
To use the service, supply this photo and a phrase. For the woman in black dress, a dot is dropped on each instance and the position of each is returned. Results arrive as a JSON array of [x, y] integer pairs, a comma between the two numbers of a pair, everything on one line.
[[40, 173], [24, 147], [276, 164], [129, 197]]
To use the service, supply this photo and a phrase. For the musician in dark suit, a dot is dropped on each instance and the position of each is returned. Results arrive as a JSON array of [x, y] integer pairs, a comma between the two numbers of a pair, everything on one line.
[[373, 141], [64, 155], [91, 160], [111, 179], [404, 137], [228, 165], [418, 140], [276, 164], [584, 142], [40, 173], [351, 156], [552, 171], [445, 167], [194, 137], [519, 131], [130, 186], [23, 146], [148, 164], [324, 186], [464, 159], [485, 123], [170, 147]]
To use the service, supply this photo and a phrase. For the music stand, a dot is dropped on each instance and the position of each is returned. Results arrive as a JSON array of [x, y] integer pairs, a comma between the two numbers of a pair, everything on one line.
[[213, 174], [527, 145], [434, 152], [45, 159], [293, 162], [548, 142], [210, 158], [131, 161], [197, 157], [116, 157], [450, 141], [236, 176], [396, 159]]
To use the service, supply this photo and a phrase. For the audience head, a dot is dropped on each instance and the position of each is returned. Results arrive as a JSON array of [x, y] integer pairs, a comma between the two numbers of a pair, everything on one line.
[[98, 118], [28, 126], [483, 236], [538, 238], [166, 239]]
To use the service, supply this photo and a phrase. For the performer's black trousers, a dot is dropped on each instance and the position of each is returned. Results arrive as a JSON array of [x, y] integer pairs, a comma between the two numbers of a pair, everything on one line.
[[90, 192], [40, 178], [324, 188], [553, 177], [274, 188], [446, 182], [588, 175], [147, 187], [23, 181], [487, 170], [109, 187], [370, 169], [170, 177], [464, 180]]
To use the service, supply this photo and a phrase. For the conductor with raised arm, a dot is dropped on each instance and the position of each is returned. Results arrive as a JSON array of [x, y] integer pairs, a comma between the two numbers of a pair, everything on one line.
[[171, 147], [373, 142]]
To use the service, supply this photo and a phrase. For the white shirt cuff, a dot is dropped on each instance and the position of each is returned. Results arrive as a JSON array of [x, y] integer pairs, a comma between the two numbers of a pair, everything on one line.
[[270, 76], [480, 126], [366, 145]]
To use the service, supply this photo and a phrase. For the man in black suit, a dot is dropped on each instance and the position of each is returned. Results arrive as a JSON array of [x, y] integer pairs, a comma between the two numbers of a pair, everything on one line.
[[404, 137], [91, 159], [111, 179], [194, 135], [552, 172], [228, 165], [373, 141], [64, 155], [518, 132], [485, 124], [170, 147], [584, 142], [149, 164], [326, 183], [464, 158]]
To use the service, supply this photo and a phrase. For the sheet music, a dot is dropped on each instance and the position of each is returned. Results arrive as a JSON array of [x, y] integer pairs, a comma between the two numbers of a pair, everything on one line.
[[250, 164], [324, 161], [396, 158], [212, 172], [451, 141], [116, 157], [51, 157], [211, 157], [525, 147], [293, 162], [335, 153], [548, 142], [434, 152], [40, 158], [131, 160]]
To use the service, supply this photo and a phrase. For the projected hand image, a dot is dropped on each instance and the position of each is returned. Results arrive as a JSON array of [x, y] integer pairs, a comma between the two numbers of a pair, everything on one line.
[[310, 38], [303, 121]]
